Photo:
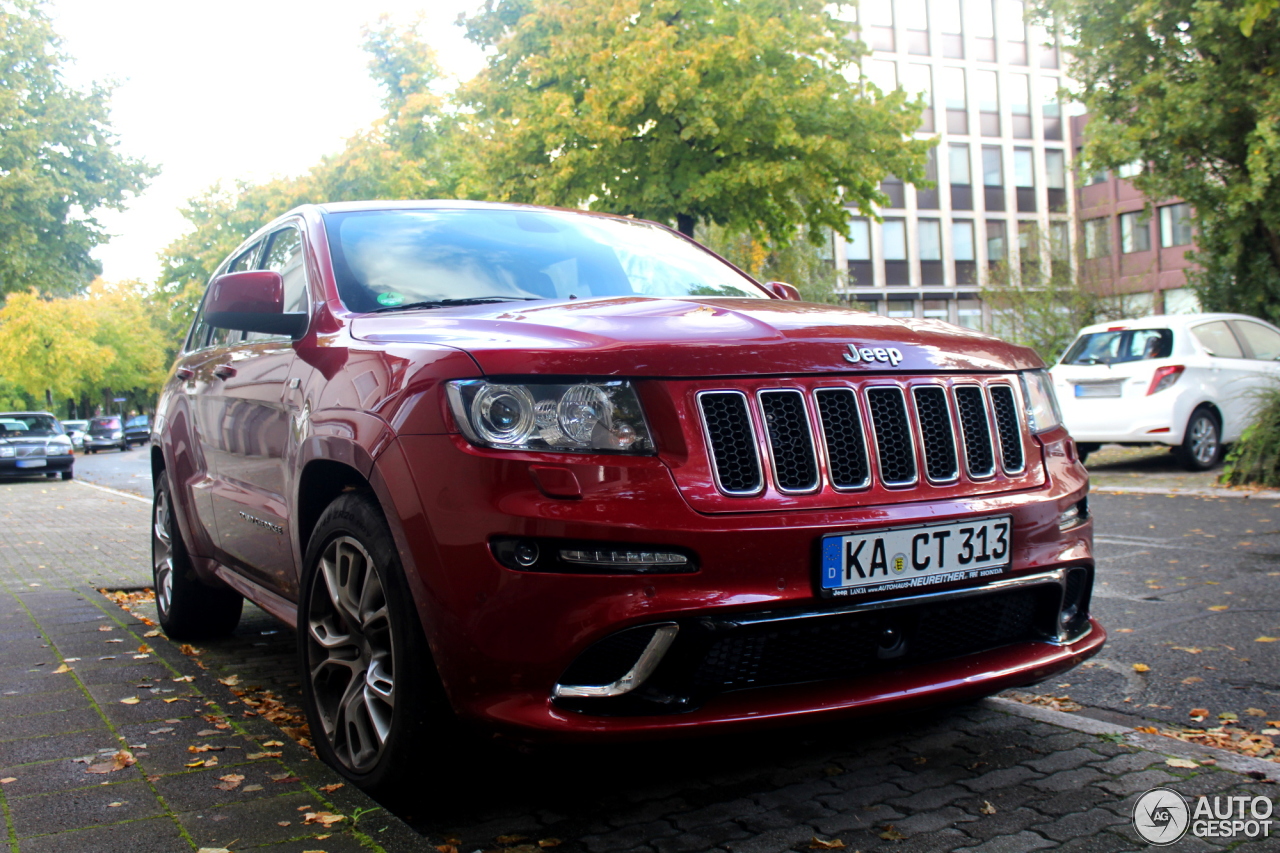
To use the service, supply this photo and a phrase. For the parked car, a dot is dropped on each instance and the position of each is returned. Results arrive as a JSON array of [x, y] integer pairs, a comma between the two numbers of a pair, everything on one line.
[[34, 444], [1187, 381], [106, 432], [75, 431], [572, 476], [137, 430]]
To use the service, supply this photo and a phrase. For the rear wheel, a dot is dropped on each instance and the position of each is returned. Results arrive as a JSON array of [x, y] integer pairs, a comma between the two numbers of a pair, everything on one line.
[[189, 608], [1202, 445], [66, 475], [376, 708]]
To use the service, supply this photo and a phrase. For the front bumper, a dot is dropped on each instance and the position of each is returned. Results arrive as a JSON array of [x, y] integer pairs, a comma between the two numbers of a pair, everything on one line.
[[51, 465], [96, 443]]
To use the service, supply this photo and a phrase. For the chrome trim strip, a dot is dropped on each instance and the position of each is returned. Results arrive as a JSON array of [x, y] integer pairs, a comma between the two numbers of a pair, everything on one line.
[[643, 668], [711, 455], [951, 424], [862, 433], [773, 458], [911, 435]]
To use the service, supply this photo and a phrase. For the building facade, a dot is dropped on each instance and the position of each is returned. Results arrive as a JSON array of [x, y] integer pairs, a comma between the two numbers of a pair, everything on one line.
[[1001, 206]]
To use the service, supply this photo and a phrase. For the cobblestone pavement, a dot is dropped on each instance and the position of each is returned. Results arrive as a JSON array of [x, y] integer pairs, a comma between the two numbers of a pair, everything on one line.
[[990, 776]]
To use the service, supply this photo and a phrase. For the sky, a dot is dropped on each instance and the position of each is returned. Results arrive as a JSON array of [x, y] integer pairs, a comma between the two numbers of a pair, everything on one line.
[[234, 90]]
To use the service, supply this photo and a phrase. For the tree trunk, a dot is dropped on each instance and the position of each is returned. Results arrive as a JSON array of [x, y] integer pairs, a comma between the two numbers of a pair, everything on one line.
[[685, 223]]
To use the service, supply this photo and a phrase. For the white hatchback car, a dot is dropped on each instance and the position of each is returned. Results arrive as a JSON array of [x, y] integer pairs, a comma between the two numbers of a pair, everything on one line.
[[1187, 381]]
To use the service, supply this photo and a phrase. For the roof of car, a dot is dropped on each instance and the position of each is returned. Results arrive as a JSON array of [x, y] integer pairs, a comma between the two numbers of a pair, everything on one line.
[[23, 414], [1163, 321], [439, 204]]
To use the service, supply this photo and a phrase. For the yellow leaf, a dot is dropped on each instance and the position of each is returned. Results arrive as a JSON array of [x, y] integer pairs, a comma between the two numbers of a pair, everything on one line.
[[62, 669], [816, 843], [132, 700], [6, 780], [987, 808], [1219, 607], [1180, 762], [1266, 639], [1141, 667], [1255, 712]]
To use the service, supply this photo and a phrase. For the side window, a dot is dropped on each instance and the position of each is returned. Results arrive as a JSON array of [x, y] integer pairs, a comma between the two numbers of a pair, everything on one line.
[[1264, 342], [244, 260], [1218, 340]]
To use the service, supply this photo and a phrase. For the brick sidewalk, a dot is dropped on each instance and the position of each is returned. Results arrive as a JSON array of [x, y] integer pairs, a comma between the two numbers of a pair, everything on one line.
[[993, 777]]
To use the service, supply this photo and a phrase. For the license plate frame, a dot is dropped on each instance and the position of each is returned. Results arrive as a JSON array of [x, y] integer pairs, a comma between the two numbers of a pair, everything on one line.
[[903, 561]]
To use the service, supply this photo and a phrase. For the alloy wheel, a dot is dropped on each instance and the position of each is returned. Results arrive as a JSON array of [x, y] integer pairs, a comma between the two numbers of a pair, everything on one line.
[[350, 655], [162, 551], [1204, 440]]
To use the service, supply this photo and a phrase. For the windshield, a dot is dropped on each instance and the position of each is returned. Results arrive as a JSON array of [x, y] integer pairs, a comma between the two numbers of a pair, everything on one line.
[[391, 259], [104, 424], [1120, 345], [23, 426]]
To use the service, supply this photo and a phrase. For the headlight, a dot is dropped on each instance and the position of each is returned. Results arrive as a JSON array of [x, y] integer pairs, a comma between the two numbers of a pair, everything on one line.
[[117, 434], [584, 416], [7, 452], [57, 449], [1043, 413]]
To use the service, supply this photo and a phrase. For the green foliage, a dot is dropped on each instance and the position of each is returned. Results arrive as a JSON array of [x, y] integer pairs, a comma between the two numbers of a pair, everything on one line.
[[1192, 88], [1039, 310], [58, 161], [800, 262], [733, 112], [12, 398], [1255, 458]]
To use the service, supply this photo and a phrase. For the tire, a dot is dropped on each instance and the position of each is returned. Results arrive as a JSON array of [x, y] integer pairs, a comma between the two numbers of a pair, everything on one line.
[[373, 699], [1084, 449], [51, 475], [1201, 447], [189, 608], [67, 475]]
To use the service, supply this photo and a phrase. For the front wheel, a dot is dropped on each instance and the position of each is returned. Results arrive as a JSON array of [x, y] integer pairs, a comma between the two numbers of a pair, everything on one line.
[[189, 608], [376, 709], [1202, 445], [67, 475]]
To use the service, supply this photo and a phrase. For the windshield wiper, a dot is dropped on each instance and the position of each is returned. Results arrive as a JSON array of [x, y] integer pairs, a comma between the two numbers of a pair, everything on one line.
[[445, 303]]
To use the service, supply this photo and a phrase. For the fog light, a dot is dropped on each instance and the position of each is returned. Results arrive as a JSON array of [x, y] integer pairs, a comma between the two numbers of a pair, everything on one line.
[[622, 557], [526, 553]]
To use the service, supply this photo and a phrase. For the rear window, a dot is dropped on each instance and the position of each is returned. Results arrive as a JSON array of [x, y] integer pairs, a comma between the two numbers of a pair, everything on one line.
[[1121, 345], [384, 260]]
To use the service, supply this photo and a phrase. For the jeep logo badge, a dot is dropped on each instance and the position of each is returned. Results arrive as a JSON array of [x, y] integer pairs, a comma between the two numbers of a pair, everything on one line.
[[861, 355]]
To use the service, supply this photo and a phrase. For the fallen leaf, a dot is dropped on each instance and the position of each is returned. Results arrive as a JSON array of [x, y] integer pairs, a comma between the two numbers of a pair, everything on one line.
[[1141, 667], [1266, 639], [122, 759], [161, 731], [987, 808], [447, 848], [144, 649], [891, 833], [229, 782], [920, 759], [205, 747], [328, 819], [117, 640], [1198, 712], [185, 678], [1219, 607], [132, 700], [154, 633], [284, 823], [152, 778], [329, 789], [511, 839], [62, 669], [285, 778], [1255, 712], [1124, 630], [254, 756], [213, 850], [1228, 715], [188, 649], [230, 680], [1180, 762], [207, 732], [1191, 650], [817, 843], [114, 805], [1195, 679], [176, 699], [199, 762], [6, 780], [104, 627], [249, 789], [549, 842], [273, 743]]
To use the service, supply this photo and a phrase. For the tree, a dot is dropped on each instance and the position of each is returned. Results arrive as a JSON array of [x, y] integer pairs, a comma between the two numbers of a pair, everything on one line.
[[1190, 88], [58, 161], [800, 262], [735, 112]]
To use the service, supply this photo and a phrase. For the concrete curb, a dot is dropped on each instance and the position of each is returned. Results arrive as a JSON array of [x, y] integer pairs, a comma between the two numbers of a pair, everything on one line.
[[1179, 491]]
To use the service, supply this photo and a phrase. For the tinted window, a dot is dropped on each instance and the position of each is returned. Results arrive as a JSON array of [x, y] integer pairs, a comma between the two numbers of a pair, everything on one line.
[[1264, 342], [1118, 346], [384, 259], [104, 424], [1218, 340], [30, 425]]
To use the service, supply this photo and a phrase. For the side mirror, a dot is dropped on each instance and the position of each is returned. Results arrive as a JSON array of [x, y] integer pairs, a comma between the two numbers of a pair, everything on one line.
[[252, 301], [782, 290]]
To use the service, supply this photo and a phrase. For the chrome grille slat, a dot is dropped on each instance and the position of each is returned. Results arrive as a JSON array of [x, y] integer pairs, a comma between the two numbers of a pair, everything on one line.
[[735, 458], [941, 464], [895, 448], [979, 456], [842, 432], [1008, 427], [786, 419]]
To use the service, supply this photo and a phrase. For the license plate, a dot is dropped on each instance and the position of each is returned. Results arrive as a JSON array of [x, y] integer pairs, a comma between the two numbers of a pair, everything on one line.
[[909, 558], [1110, 389], [31, 463]]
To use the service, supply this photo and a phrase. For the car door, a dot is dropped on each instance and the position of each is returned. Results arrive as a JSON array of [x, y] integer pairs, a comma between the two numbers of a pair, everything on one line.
[[1231, 376], [254, 403], [1262, 352]]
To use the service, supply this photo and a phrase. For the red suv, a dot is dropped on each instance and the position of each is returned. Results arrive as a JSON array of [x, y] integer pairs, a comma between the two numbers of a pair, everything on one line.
[[573, 476]]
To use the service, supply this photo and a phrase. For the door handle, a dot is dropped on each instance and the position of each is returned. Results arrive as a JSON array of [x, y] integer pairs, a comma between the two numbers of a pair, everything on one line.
[[184, 373], [224, 371]]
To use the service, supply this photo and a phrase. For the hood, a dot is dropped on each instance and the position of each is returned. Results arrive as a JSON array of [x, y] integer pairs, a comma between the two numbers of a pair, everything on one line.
[[690, 337]]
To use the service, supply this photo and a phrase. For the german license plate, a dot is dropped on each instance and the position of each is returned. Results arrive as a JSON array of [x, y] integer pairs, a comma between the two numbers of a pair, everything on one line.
[[910, 558], [31, 463], [1102, 389]]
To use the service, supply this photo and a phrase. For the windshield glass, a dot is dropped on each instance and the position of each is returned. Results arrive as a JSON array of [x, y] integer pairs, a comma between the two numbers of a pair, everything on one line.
[[388, 259], [22, 426], [101, 424], [1122, 345]]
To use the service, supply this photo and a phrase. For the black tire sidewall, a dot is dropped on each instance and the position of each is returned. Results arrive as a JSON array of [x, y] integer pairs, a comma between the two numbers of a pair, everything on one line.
[[197, 611]]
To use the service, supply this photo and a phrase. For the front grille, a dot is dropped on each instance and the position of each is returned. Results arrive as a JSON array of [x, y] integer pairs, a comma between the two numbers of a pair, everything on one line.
[[733, 442], [793, 652], [970, 429], [29, 451]]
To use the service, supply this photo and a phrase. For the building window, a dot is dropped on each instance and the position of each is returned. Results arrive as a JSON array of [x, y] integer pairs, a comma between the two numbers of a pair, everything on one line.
[[969, 314], [930, 236], [1135, 233], [914, 15], [1029, 250], [900, 308], [1050, 108], [893, 240], [927, 199], [1049, 53], [997, 246], [1013, 25], [857, 251], [878, 24], [919, 82], [993, 177], [1060, 241], [955, 100], [960, 176], [987, 95], [946, 19], [1020, 105], [1097, 237], [1024, 179], [1055, 175], [936, 309], [962, 249], [1130, 170], [1175, 225], [981, 26], [893, 188]]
